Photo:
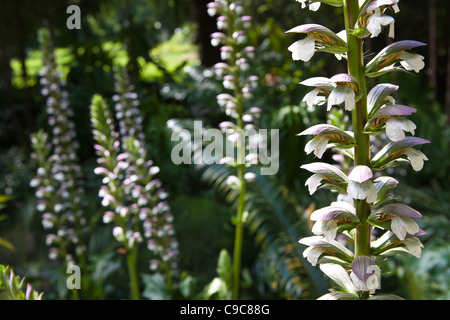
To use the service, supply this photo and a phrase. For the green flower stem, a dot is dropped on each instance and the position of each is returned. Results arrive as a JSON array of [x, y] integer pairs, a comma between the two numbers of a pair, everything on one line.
[[132, 271], [239, 235], [240, 146], [359, 119], [131, 253], [239, 224]]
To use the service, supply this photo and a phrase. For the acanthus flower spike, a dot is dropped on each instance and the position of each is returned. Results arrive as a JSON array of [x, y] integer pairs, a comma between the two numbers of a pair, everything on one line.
[[369, 200]]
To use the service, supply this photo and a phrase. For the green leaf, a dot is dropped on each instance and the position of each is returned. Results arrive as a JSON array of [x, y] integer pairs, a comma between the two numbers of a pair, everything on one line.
[[187, 286], [155, 287], [217, 287], [8, 245], [224, 267]]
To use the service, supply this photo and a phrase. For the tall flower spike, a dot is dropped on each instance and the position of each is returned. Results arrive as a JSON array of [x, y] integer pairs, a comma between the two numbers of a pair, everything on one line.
[[127, 106], [59, 184], [370, 201], [139, 208], [236, 54]]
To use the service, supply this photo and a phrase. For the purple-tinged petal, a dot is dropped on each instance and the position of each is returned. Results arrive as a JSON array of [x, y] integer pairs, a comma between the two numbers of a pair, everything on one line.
[[343, 77], [399, 209], [320, 82], [309, 28], [363, 267], [379, 61], [377, 96], [420, 233], [326, 170], [323, 129], [334, 246], [335, 211], [360, 174], [394, 110], [394, 150], [371, 6]]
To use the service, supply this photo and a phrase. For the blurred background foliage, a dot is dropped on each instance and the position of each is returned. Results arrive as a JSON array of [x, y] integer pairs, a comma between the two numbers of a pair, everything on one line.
[[165, 45]]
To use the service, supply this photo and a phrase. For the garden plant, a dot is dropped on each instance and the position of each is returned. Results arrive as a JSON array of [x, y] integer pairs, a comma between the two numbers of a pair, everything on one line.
[[365, 212], [224, 150]]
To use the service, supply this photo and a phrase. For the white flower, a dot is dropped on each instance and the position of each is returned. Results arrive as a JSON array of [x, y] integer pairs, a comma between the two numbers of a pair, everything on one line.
[[342, 93], [414, 246], [249, 176], [416, 158], [314, 182], [365, 190], [396, 126], [318, 144], [312, 254], [377, 20], [412, 61], [360, 185], [108, 217], [326, 228], [118, 233], [233, 181], [303, 49], [401, 225], [312, 6], [365, 274], [312, 98]]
